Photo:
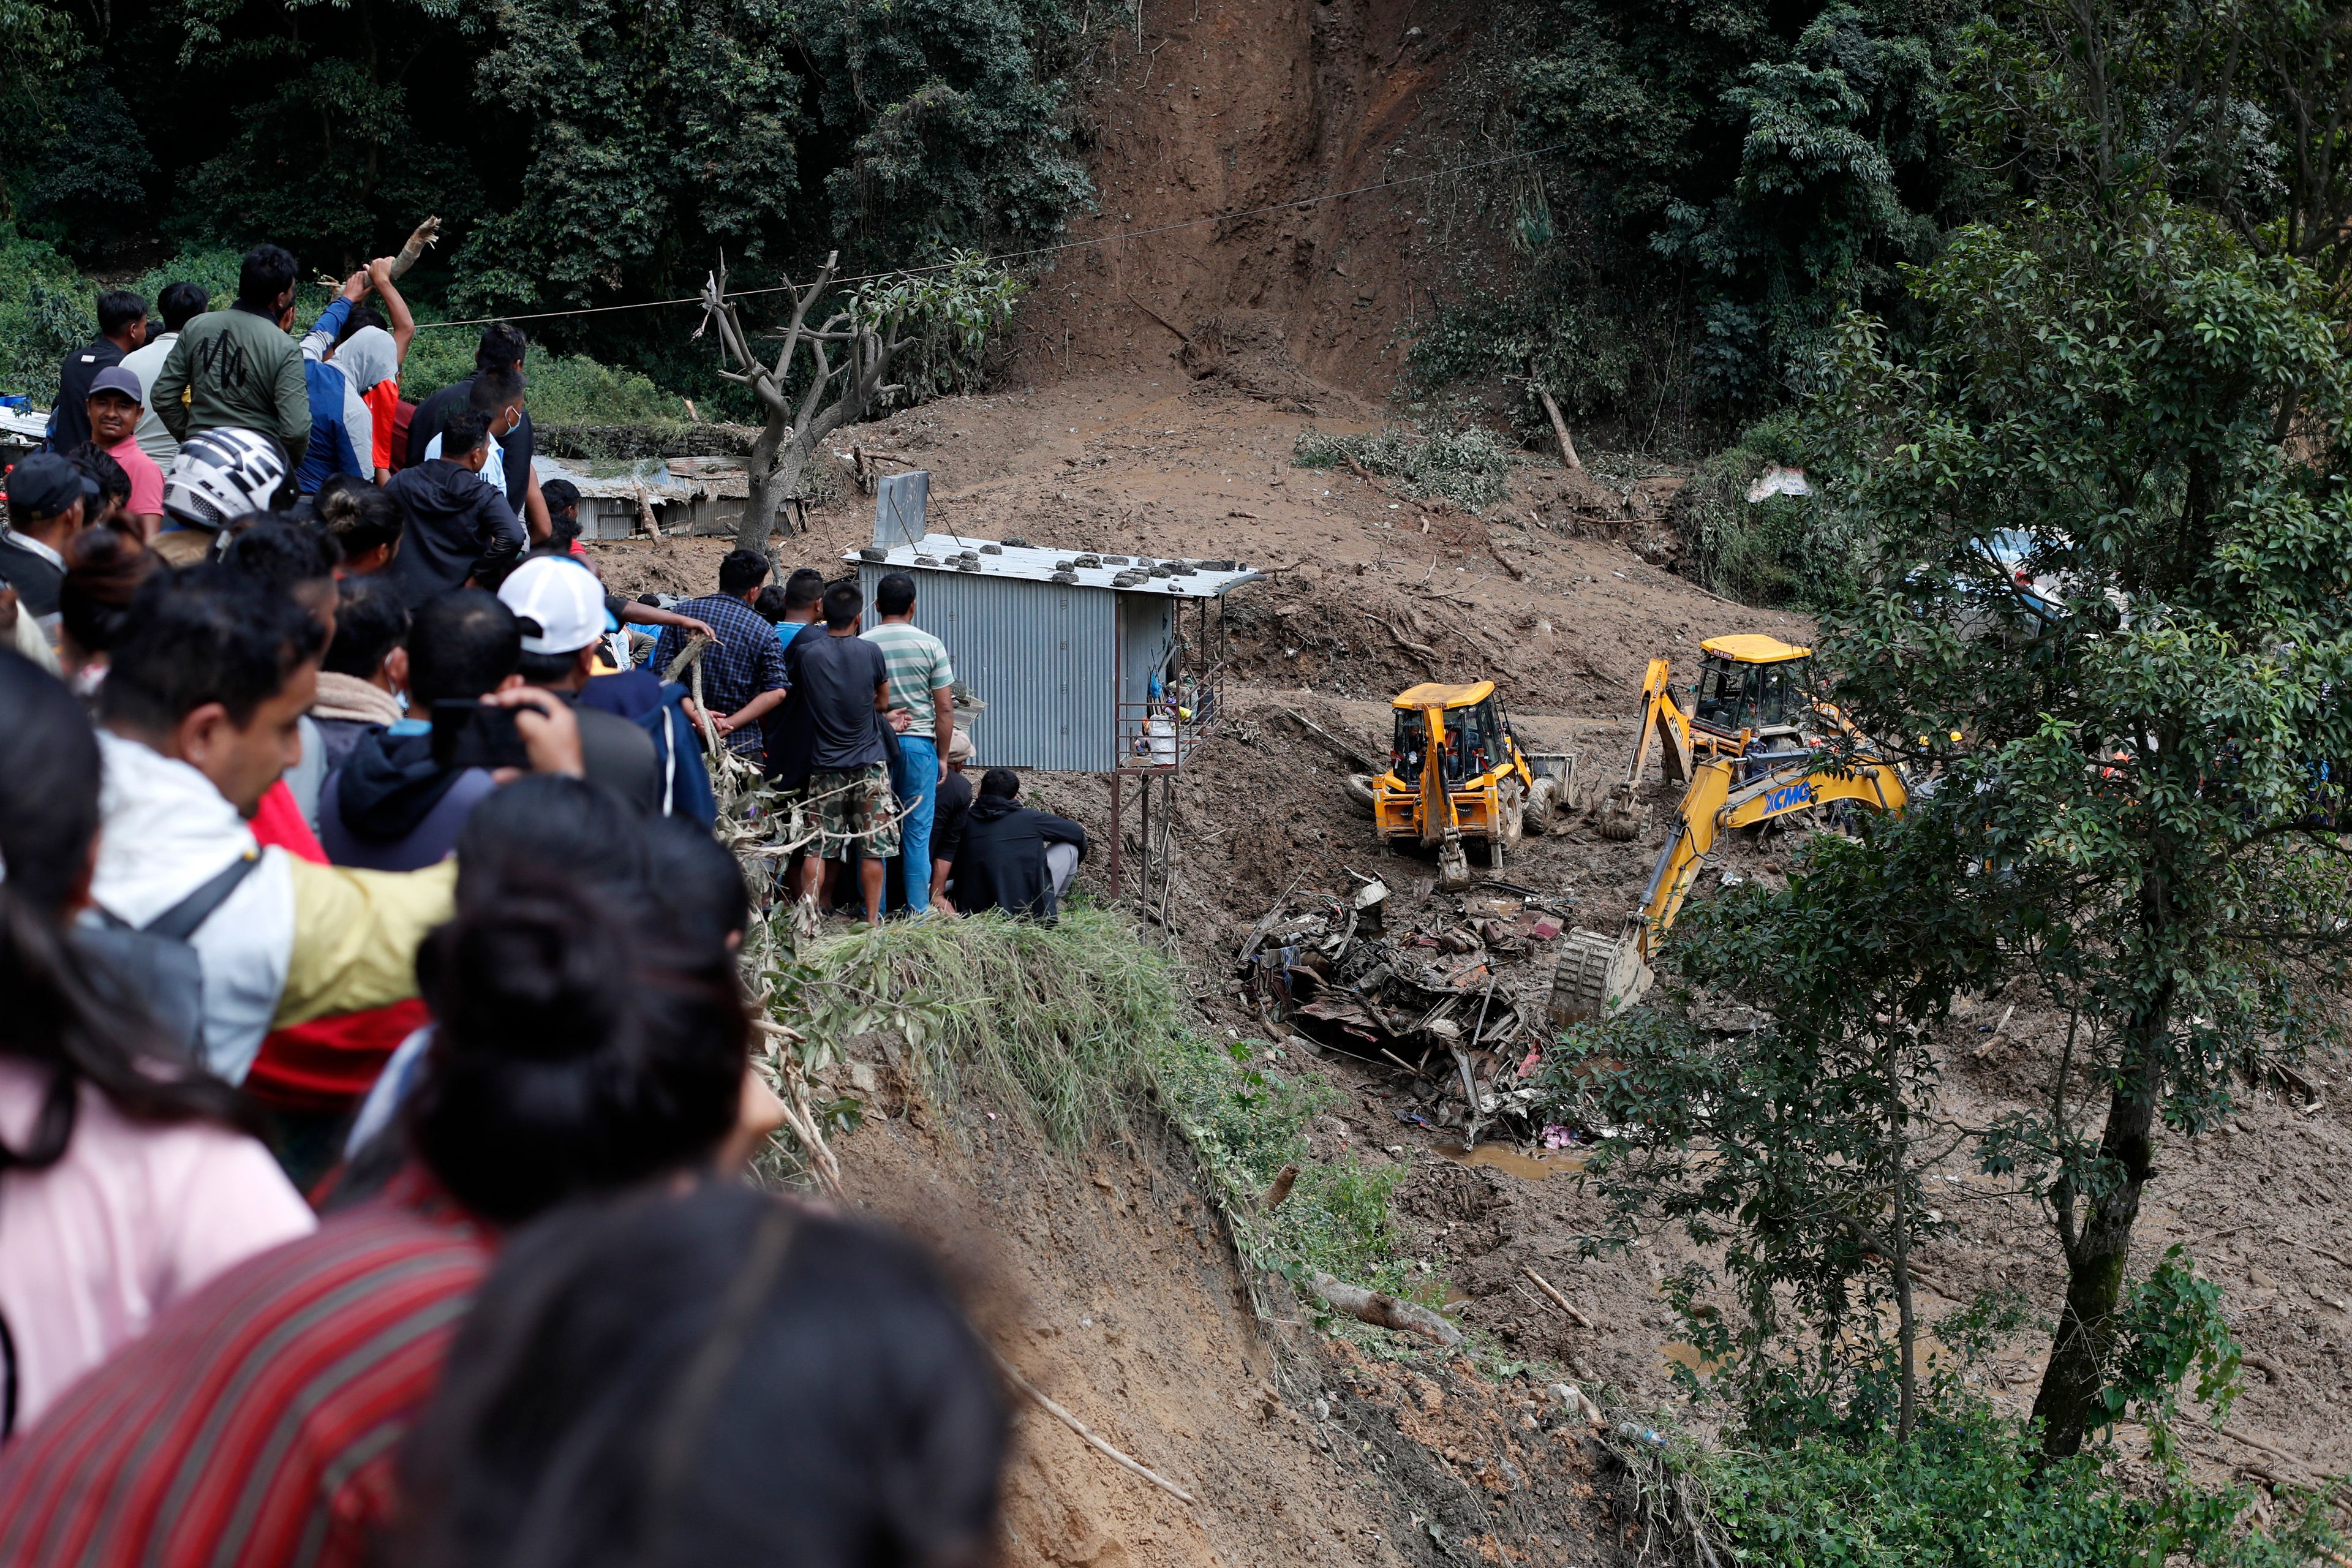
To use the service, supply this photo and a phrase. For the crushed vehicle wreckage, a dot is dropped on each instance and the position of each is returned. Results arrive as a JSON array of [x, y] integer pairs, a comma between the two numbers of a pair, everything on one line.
[[1451, 988]]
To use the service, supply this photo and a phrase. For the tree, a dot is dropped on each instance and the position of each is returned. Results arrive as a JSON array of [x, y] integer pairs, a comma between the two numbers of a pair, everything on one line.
[[1800, 1147], [849, 356], [647, 136], [1723, 182], [2135, 801]]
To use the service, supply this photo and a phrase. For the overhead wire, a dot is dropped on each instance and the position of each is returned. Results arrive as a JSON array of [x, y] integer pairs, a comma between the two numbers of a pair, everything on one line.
[[1020, 255]]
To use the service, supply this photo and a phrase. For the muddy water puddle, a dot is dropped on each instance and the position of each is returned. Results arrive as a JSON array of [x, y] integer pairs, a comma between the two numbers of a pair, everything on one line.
[[1537, 1166]]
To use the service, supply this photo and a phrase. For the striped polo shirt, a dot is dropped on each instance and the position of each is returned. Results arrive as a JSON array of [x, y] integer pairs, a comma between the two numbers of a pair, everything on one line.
[[917, 663], [258, 1422]]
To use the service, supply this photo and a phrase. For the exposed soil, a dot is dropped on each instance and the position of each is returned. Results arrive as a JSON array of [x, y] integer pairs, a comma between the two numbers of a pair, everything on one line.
[[1549, 595], [1222, 111]]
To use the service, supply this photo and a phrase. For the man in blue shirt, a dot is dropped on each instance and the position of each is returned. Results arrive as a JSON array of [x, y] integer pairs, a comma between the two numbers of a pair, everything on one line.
[[743, 671]]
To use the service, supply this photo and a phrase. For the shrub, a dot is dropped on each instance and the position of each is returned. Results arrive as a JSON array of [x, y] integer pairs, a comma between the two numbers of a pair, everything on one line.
[[1970, 1491], [1468, 465]]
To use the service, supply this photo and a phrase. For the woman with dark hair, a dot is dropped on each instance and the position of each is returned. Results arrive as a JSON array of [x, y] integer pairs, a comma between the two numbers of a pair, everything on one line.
[[363, 520], [713, 1381], [126, 1181], [258, 1423], [104, 567]]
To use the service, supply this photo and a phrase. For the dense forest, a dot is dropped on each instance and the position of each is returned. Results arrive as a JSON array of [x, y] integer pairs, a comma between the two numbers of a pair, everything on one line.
[[578, 153]]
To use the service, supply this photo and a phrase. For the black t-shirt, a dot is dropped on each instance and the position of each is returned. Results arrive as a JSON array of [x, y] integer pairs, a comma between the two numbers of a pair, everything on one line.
[[515, 446], [949, 814], [831, 680], [69, 421]]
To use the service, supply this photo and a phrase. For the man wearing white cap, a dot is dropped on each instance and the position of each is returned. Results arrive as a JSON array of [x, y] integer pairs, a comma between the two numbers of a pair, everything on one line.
[[561, 606]]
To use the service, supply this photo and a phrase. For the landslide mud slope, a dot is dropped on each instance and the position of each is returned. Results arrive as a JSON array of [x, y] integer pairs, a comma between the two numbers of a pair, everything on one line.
[[1213, 109], [1548, 595]]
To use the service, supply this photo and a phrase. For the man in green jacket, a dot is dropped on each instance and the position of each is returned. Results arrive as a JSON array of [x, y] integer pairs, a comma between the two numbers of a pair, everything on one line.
[[238, 369]]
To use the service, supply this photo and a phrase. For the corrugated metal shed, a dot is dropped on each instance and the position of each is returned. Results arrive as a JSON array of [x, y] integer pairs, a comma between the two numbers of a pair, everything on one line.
[[1052, 658]]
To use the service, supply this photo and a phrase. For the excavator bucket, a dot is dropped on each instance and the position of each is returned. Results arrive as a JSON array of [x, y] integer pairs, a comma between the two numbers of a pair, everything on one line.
[[1619, 815], [1452, 864], [1596, 976]]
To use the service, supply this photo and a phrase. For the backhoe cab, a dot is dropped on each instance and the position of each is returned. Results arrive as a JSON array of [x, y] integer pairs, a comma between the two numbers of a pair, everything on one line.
[[1456, 773], [1750, 693]]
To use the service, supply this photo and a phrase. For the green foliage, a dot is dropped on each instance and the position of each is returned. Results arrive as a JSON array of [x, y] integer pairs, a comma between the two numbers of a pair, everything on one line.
[[2171, 1325], [83, 187], [1800, 1149], [1782, 550], [1970, 1492], [950, 314], [1465, 464], [1060, 1023], [575, 389], [1246, 1119], [1071, 1026], [2163, 413], [956, 117], [45, 309], [577, 155], [1727, 181], [656, 137]]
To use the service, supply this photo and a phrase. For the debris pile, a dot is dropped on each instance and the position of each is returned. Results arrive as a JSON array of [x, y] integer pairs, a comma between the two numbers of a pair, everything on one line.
[[1452, 989]]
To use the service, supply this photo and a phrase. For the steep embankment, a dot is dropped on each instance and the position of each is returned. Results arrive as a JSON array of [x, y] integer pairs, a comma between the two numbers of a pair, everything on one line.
[[1229, 109]]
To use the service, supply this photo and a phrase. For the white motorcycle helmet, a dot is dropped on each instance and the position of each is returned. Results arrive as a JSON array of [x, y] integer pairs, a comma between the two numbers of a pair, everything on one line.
[[220, 476]]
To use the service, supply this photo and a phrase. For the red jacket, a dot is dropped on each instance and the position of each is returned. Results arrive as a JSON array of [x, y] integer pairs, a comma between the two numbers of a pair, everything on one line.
[[327, 1063]]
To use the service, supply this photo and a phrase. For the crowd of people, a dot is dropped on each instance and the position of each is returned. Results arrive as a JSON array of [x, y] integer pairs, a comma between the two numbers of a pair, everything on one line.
[[377, 1076]]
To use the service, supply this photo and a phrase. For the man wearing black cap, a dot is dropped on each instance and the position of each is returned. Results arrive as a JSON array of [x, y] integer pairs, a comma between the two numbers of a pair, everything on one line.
[[48, 504]]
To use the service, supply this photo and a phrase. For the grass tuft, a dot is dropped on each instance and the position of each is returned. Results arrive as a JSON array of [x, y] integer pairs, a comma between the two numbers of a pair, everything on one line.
[[1062, 1024], [1074, 1027]]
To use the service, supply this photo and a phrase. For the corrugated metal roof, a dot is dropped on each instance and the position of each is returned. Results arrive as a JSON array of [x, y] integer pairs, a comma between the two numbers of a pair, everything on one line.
[[622, 479], [1039, 653], [938, 554]]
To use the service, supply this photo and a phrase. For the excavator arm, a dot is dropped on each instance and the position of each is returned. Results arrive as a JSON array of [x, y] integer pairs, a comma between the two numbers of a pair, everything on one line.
[[1598, 975], [1714, 806], [1663, 722]]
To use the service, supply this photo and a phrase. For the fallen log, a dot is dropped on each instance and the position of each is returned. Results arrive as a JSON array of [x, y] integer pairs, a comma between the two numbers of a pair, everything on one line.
[[1383, 1310], [1562, 1302]]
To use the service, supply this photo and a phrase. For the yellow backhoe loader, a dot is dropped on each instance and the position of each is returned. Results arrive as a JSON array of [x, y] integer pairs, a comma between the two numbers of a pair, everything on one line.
[[1750, 691], [1456, 773], [1599, 973]]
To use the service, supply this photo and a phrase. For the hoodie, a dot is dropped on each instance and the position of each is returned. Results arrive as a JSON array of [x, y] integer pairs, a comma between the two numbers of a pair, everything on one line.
[[456, 527], [390, 807], [294, 942], [165, 832], [1000, 863]]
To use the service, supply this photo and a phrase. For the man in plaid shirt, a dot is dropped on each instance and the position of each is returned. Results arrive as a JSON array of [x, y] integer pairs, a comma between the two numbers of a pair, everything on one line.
[[743, 672]]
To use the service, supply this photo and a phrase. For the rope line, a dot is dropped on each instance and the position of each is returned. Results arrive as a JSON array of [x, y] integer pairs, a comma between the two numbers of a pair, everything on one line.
[[1022, 255]]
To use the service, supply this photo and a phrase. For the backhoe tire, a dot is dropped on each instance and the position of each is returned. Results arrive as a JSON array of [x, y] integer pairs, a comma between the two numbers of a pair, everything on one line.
[[1619, 815], [1543, 808], [1510, 811], [1360, 789]]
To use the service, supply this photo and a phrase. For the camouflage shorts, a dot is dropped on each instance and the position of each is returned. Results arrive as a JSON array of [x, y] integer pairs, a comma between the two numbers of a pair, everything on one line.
[[855, 805]]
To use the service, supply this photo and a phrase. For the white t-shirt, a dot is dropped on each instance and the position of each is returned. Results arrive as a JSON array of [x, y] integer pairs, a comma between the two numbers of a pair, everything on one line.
[[146, 362]]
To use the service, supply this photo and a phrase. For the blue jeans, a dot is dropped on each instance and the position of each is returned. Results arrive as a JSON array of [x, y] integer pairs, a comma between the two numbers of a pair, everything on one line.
[[916, 781]]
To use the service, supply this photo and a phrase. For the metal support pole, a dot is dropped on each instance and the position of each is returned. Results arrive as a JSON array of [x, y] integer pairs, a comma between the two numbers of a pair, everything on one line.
[[1143, 877], [1115, 883]]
